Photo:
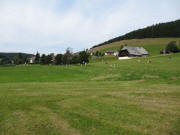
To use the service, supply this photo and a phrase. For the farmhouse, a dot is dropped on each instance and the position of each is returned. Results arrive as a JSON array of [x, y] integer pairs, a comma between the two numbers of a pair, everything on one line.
[[129, 51], [53, 59], [112, 52]]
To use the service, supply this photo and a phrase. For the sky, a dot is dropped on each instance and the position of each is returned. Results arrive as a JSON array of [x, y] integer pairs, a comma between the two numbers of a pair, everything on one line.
[[51, 26]]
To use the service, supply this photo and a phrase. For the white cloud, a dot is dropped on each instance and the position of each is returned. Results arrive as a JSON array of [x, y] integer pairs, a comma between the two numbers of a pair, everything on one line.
[[52, 25]]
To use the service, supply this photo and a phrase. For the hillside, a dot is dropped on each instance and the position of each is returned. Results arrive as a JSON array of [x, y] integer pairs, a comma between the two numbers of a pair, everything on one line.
[[153, 45], [12, 55], [162, 30], [130, 98]]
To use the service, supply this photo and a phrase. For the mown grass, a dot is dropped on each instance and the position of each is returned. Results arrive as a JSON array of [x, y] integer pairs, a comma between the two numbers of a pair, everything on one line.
[[109, 108], [163, 68], [107, 97]]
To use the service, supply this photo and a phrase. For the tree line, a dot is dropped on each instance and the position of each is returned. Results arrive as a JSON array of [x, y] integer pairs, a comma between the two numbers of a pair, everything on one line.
[[59, 59], [169, 29]]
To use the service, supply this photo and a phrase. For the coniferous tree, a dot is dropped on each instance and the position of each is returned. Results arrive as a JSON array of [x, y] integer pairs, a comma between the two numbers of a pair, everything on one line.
[[48, 59], [43, 59], [37, 58], [67, 57]]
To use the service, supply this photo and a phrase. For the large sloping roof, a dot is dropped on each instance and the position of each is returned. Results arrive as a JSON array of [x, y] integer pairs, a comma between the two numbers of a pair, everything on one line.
[[135, 50]]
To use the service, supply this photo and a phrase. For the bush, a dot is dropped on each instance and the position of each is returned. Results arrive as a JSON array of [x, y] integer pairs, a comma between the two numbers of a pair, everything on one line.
[[84, 57], [172, 47], [75, 60]]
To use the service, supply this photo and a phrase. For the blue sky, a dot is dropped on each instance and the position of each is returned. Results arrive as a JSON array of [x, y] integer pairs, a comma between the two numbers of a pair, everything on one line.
[[53, 25]]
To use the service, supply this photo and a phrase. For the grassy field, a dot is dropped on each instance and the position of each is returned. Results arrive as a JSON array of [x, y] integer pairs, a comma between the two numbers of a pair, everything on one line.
[[152, 45], [108, 97]]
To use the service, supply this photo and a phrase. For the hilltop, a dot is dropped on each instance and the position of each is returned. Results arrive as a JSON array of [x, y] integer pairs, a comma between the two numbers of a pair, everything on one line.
[[162, 30], [153, 38]]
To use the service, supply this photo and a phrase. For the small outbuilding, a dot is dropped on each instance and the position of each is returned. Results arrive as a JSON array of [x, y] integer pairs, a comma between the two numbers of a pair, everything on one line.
[[32, 59], [112, 52], [164, 51], [130, 51]]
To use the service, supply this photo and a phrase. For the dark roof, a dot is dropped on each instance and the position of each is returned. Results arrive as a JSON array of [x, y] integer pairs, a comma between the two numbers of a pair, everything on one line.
[[138, 51]]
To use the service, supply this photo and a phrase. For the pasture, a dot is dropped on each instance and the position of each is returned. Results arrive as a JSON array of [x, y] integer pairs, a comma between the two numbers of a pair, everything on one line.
[[152, 45], [107, 97]]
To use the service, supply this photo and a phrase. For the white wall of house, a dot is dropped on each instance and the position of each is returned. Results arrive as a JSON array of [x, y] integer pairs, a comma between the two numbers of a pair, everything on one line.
[[32, 60], [124, 58], [116, 53]]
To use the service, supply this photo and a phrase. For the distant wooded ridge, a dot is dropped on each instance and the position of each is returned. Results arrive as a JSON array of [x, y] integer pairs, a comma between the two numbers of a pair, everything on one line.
[[161, 30], [12, 55]]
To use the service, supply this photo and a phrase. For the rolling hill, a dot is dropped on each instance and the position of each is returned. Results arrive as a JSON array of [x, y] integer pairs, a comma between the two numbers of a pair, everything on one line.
[[152, 45], [153, 38]]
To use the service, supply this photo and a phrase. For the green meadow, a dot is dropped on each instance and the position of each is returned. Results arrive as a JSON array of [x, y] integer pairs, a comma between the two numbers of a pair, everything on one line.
[[152, 45], [107, 97]]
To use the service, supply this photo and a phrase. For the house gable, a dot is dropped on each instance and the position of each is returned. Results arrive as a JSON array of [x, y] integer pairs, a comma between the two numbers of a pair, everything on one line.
[[133, 51]]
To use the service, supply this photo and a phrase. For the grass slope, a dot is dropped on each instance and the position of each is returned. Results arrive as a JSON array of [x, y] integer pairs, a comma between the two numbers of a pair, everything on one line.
[[153, 45], [162, 67], [129, 98], [89, 108]]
